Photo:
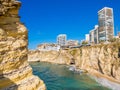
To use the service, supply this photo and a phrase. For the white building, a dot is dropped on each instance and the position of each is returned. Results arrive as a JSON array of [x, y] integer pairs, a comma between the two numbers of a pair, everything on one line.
[[87, 37], [106, 24], [116, 37], [48, 47], [61, 39]]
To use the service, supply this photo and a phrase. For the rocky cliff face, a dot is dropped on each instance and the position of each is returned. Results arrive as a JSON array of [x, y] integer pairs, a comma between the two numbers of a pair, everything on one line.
[[58, 57], [104, 59], [15, 72]]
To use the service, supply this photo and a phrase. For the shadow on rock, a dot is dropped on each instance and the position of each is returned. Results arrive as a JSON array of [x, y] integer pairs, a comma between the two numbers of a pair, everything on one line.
[[6, 83]]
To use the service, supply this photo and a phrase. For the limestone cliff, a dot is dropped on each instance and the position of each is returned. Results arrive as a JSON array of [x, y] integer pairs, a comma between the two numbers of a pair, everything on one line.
[[104, 59], [58, 57], [15, 72]]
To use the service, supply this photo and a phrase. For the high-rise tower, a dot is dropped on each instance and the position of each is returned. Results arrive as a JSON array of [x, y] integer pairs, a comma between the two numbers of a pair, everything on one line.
[[61, 39], [106, 24]]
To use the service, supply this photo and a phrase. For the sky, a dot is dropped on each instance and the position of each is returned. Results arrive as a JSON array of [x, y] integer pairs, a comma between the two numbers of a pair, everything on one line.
[[45, 19]]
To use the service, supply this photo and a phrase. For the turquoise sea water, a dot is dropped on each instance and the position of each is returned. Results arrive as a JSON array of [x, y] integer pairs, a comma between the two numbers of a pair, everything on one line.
[[58, 77]]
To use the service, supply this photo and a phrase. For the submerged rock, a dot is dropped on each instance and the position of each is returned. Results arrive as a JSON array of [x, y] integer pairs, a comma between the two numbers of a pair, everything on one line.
[[72, 68]]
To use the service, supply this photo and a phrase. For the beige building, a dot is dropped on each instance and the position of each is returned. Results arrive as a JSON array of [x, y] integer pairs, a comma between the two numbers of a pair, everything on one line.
[[72, 42], [119, 34], [96, 41], [94, 35]]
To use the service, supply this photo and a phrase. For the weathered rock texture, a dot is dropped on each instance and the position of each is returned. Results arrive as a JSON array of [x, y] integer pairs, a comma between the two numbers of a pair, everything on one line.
[[58, 57], [104, 59], [15, 72]]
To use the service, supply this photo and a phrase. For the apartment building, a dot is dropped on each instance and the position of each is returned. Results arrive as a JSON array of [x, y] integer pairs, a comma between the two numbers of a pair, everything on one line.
[[106, 24], [61, 39]]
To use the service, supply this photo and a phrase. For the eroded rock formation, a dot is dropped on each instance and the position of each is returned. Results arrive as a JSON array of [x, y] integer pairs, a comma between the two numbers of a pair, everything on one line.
[[58, 57], [15, 72], [104, 59]]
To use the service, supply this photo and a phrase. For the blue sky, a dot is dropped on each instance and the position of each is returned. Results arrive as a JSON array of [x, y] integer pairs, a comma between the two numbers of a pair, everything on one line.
[[45, 19]]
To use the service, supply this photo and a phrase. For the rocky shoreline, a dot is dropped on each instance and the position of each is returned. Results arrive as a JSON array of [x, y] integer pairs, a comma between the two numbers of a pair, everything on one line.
[[101, 79], [101, 61], [105, 80]]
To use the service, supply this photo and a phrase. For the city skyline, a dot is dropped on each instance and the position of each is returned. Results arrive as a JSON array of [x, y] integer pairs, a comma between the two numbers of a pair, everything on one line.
[[46, 19]]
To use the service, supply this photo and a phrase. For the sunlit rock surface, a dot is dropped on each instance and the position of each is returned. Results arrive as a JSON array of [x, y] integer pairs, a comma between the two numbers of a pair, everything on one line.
[[15, 72], [102, 60]]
